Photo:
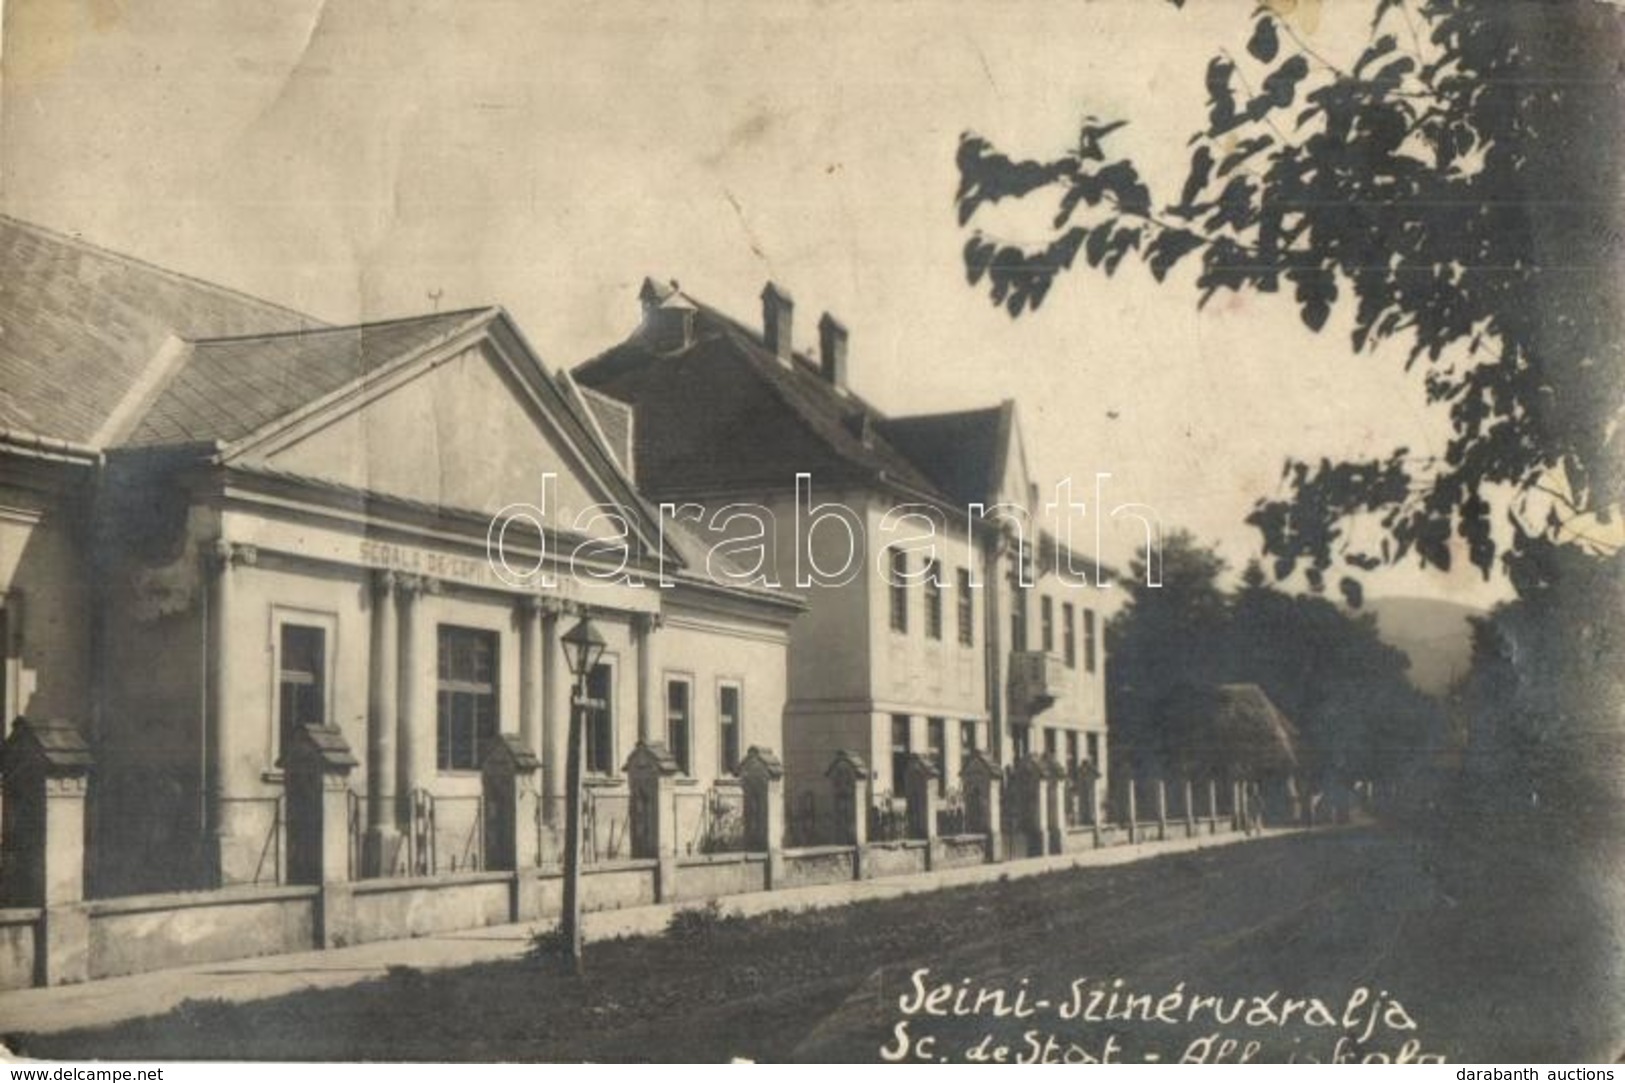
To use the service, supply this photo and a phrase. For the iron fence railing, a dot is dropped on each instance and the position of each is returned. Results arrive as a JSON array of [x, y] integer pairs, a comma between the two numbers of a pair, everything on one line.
[[268, 868], [888, 819], [952, 818], [606, 827], [710, 822]]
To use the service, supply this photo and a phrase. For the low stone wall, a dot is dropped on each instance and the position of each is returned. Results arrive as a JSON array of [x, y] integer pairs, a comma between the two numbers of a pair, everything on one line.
[[896, 858], [147, 932], [18, 928], [393, 909], [611, 887], [814, 865], [722, 874], [110, 937], [961, 850]]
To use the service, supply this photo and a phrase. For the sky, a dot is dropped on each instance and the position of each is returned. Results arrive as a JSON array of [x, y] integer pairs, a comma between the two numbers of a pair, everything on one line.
[[361, 160]]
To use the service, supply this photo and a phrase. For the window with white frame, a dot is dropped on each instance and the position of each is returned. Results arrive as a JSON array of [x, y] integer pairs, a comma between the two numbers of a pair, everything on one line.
[[967, 611], [467, 697], [730, 723], [933, 600], [302, 651], [680, 722], [898, 589], [598, 720], [1069, 635]]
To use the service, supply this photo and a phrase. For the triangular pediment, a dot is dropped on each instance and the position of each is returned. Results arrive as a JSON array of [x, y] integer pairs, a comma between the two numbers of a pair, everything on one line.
[[476, 426]]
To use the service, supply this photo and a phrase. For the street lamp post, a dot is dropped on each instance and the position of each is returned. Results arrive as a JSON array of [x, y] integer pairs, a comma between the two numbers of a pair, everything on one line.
[[583, 646]]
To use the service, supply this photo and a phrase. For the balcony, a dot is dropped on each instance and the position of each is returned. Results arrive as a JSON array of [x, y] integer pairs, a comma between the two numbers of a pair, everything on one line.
[[1036, 679]]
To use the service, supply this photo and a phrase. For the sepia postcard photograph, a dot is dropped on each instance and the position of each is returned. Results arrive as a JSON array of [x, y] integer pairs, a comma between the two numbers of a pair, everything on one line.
[[924, 531]]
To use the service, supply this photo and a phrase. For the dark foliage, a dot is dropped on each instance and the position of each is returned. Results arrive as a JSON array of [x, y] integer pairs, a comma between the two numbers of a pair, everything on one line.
[[1455, 184], [1328, 671]]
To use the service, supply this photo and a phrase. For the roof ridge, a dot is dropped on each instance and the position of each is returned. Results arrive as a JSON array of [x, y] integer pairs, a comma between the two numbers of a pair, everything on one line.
[[328, 329], [166, 272], [942, 415]]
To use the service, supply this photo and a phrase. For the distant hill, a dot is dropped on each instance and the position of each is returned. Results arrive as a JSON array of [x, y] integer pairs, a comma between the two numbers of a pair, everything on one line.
[[1434, 633]]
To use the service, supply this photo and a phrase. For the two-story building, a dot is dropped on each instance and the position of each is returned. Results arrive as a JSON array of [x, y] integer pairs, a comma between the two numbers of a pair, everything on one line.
[[937, 623]]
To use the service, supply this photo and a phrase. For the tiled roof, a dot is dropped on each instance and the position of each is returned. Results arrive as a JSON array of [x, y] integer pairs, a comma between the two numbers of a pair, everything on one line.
[[79, 326], [227, 388], [963, 452], [698, 407]]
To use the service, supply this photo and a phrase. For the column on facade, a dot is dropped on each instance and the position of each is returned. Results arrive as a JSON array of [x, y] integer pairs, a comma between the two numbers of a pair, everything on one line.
[[993, 633], [555, 719], [223, 731], [382, 721], [408, 725], [644, 626], [530, 674]]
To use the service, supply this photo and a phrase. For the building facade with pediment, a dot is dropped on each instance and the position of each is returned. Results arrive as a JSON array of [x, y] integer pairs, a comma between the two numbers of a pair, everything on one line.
[[224, 520]]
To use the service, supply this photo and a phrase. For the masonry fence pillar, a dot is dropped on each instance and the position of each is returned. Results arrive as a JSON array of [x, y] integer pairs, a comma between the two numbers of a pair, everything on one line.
[[1055, 797], [849, 785], [651, 772], [1189, 808], [317, 766], [1162, 808], [1030, 792], [46, 768], [982, 780], [1213, 806], [762, 776], [1133, 813], [920, 788], [508, 792]]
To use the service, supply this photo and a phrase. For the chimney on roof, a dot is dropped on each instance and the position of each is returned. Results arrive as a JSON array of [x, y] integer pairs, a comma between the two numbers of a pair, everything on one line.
[[778, 307], [668, 316], [832, 350]]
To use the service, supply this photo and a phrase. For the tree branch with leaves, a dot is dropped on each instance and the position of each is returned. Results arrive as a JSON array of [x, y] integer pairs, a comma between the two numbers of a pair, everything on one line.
[[1456, 184]]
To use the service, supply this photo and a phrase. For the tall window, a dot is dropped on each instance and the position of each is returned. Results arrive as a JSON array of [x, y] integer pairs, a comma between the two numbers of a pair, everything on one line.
[[1051, 740], [1046, 623], [1071, 748], [899, 590], [967, 610], [967, 737], [467, 702], [936, 747], [598, 720], [1093, 740], [7, 711], [301, 680], [1089, 640], [899, 750], [1021, 739], [1018, 618], [1069, 635], [728, 724], [933, 599], [678, 724]]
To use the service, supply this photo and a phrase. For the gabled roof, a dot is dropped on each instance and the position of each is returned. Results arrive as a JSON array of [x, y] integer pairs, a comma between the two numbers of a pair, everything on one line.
[[224, 389], [80, 325], [963, 452], [699, 408]]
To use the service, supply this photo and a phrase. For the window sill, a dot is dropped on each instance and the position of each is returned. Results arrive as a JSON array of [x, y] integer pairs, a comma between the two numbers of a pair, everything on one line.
[[273, 774]]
